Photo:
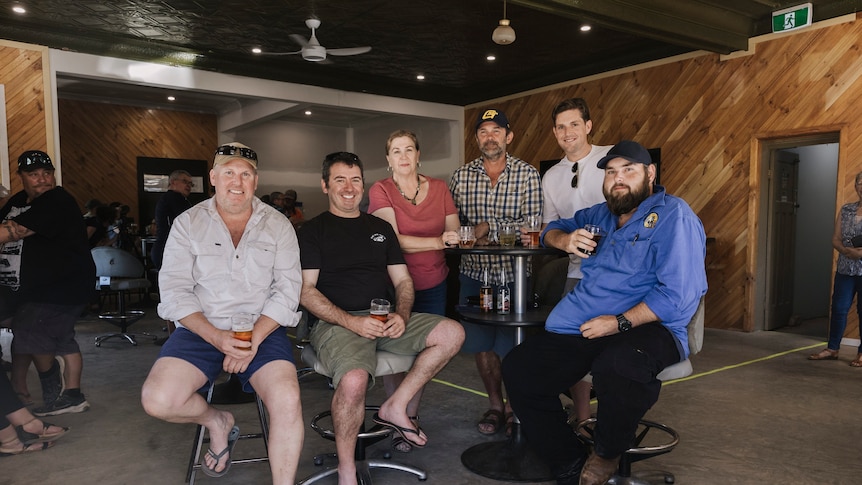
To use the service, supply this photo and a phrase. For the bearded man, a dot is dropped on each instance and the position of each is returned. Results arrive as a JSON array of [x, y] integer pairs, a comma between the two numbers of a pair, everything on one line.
[[624, 322]]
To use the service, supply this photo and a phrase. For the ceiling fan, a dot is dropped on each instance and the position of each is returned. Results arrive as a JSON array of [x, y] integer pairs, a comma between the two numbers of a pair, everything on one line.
[[313, 51]]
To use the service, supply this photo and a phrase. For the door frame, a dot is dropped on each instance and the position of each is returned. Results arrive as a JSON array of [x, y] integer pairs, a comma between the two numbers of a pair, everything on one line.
[[762, 147]]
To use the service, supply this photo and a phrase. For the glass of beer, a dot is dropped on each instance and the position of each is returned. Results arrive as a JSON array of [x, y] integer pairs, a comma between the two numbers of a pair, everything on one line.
[[380, 309], [242, 325], [597, 233], [467, 236], [508, 234], [533, 224]]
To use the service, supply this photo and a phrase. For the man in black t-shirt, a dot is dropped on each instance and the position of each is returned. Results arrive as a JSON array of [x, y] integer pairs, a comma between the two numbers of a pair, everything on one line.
[[173, 203], [349, 258], [47, 276]]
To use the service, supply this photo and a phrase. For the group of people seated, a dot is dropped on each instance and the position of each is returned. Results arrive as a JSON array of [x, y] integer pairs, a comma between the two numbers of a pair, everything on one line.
[[624, 320], [622, 317]]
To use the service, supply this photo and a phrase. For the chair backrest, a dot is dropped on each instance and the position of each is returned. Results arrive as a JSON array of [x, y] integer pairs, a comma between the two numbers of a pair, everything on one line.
[[695, 328], [116, 263]]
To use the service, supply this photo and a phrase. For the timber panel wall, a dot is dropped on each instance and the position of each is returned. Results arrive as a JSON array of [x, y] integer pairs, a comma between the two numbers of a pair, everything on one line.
[[26, 118], [101, 143], [707, 116]]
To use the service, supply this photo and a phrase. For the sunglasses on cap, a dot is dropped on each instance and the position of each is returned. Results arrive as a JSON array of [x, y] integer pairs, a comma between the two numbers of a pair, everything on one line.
[[231, 150]]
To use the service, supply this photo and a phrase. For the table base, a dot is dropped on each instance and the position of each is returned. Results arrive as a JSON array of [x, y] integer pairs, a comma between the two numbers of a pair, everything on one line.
[[508, 460]]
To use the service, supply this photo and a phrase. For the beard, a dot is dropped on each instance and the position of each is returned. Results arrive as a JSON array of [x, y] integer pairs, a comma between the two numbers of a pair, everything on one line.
[[623, 203], [491, 150]]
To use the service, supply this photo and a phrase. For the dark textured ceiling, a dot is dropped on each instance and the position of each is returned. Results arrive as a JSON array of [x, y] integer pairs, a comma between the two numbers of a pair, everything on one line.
[[446, 40]]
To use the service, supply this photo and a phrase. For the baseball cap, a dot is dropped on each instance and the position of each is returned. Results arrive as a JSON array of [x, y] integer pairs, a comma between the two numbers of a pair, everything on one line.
[[630, 150], [33, 159], [494, 115], [290, 194], [233, 150]]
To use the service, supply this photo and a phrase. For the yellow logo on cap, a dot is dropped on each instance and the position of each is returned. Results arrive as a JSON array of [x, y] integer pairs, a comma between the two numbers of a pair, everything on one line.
[[650, 220], [490, 114]]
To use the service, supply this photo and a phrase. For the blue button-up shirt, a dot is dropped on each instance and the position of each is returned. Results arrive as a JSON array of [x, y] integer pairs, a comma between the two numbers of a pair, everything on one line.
[[656, 258]]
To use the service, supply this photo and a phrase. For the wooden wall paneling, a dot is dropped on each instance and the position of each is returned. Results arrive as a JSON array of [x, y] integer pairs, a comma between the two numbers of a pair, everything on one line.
[[101, 143], [706, 113]]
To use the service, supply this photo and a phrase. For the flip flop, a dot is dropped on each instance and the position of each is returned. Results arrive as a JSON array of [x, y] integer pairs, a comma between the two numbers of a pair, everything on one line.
[[232, 438], [401, 445], [398, 429], [29, 438]]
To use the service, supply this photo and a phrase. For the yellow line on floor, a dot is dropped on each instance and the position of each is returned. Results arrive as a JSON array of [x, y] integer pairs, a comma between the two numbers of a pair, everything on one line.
[[667, 383]]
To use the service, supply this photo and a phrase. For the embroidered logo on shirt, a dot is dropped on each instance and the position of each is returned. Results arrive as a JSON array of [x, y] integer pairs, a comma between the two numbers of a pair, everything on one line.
[[377, 237], [650, 220]]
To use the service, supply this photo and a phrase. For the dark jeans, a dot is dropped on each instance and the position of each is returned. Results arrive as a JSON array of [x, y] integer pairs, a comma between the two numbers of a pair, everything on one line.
[[624, 368]]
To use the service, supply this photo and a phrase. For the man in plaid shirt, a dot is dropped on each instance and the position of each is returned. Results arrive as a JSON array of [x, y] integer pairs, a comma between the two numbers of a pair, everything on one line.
[[493, 189]]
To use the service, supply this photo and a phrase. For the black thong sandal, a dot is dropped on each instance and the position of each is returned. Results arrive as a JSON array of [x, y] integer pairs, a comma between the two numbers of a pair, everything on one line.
[[400, 430], [232, 438], [401, 445]]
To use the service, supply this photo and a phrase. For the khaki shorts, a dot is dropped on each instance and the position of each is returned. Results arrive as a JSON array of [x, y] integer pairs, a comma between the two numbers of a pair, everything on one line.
[[342, 350]]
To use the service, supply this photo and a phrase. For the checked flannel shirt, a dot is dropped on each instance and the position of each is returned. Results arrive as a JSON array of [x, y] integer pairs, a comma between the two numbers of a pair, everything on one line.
[[518, 193]]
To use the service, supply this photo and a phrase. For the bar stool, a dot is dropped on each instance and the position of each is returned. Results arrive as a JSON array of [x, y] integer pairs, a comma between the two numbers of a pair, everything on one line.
[[645, 444], [387, 363], [199, 440]]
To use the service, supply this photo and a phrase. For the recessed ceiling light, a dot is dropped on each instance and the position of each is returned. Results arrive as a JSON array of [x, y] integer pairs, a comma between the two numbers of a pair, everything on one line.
[[308, 112], [19, 9], [491, 58], [420, 77], [256, 50], [586, 28], [171, 98]]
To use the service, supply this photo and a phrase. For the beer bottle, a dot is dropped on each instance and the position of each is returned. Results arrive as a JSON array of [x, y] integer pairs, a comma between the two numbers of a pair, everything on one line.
[[486, 293]]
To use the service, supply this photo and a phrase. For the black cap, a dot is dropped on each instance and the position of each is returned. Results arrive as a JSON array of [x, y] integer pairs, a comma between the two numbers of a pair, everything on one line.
[[33, 159], [630, 150], [494, 115]]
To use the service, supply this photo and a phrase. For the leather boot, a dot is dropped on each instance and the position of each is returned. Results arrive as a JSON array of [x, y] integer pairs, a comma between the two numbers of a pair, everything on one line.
[[598, 470]]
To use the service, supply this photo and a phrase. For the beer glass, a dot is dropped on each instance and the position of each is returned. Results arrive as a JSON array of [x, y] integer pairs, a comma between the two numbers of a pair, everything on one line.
[[597, 233], [242, 325], [380, 309], [508, 234], [533, 224], [467, 236]]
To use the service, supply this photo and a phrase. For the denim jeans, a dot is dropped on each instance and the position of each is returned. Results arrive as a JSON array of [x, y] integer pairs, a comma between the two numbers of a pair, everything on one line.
[[431, 300], [846, 287]]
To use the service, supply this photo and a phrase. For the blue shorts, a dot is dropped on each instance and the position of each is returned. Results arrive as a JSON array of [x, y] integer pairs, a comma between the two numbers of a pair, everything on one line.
[[188, 346]]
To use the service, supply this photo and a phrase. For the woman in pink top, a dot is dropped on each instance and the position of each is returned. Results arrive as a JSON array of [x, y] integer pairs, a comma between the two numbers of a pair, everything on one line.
[[423, 215], [422, 212]]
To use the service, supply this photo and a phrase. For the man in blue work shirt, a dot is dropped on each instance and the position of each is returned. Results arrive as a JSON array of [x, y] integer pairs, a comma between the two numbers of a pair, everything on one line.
[[625, 321]]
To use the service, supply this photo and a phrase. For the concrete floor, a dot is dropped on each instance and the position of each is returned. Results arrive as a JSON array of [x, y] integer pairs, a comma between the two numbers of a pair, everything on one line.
[[755, 411]]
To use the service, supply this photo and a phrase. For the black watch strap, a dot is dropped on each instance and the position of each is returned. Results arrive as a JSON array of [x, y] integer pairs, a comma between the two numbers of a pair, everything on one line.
[[623, 323]]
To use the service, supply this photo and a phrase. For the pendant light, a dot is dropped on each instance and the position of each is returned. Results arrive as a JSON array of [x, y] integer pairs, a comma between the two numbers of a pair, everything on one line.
[[504, 34]]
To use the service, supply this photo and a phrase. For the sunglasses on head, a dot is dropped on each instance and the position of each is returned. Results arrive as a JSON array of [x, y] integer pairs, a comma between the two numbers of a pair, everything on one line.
[[575, 176], [231, 150]]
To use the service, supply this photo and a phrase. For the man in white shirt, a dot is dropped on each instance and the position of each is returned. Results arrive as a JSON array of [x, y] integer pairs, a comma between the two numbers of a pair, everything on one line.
[[230, 254], [574, 183]]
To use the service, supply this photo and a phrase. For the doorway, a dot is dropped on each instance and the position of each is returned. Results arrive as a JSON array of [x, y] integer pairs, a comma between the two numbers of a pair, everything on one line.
[[797, 212]]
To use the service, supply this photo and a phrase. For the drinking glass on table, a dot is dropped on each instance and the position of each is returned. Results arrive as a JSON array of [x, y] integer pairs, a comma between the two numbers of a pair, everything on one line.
[[380, 309], [597, 233], [508, 234], [242, 325], [467, 235], [533, 225]]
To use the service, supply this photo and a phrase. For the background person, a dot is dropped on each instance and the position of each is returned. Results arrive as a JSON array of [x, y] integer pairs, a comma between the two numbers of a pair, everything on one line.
[[170, 205], [291, 210], [424, 224], [226, 255], [47, 277], [848, 276], [349, 258], [491, 189], [624, 322]]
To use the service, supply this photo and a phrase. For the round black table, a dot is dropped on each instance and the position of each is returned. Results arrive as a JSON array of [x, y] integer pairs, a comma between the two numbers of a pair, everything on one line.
[[511, 459]]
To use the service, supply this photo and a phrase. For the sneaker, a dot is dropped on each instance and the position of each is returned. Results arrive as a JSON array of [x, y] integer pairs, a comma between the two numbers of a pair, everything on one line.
[[65, 404]]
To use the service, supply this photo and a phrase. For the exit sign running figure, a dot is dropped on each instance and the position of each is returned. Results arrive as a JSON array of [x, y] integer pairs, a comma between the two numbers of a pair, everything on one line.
[[792, 18]]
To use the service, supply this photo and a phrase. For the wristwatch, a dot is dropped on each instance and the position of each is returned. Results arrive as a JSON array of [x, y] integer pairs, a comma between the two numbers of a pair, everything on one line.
[[623, 323]]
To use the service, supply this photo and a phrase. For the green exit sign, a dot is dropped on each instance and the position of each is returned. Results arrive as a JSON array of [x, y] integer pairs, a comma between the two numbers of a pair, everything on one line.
[[792, 18]]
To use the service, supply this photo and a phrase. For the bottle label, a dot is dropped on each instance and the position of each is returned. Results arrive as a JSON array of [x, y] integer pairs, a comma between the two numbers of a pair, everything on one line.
[[503, 300], [486, 298]]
